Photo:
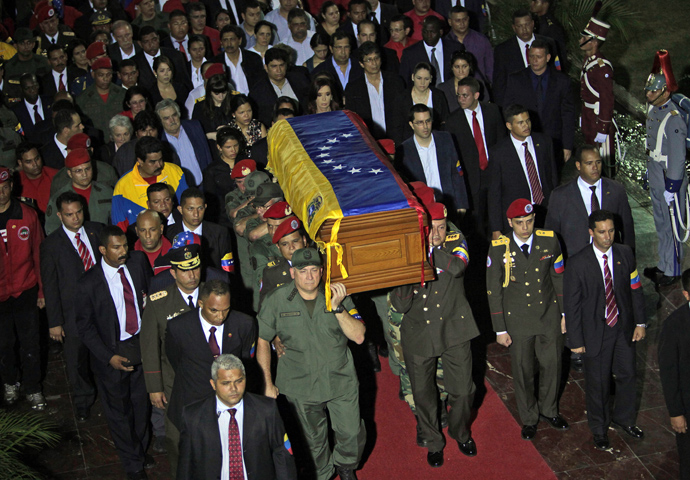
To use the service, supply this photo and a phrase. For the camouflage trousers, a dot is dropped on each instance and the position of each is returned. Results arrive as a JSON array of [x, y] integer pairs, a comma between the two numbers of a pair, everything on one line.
[[394, 321]]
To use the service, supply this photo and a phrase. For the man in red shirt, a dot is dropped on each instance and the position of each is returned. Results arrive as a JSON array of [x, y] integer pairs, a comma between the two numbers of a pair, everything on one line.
[[149, 228], [196, 12], [34, 177], [400, 28], [421, 10]]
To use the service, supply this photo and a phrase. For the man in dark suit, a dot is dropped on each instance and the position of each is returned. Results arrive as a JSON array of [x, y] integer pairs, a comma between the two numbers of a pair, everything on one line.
[[278, 82], [111, 302], [82, 25], [512, 55], [33, 112], [475, 8], [67, 123], [244, 68], [150, 49], [208, 427], [368, 32], [604, 316], [216, 245], [59, 77], [428, 51], [372, 108], [546, 93], [124, 48], [382, 14], [674, 370], [341, 65], [430, 157], [522, 166], [65, 255], [357, 11], [473, 142]]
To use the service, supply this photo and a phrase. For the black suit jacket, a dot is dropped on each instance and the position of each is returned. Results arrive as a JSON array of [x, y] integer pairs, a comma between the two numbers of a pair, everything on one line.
[[405, 103], [416, 53], [509, 58], [48, 87], [557, 118], [214, 6], [215, 241], [494, 130], [453, 185], [63, 39], [97, 321], [116, 55], [51, 154], [477, 16], [674, 361], [147, 79], [24, 116], [356, 70], [567, 215], [357, 100], [584, 298], [252, 66], [508, 181], [265, 96], [187, 349], [61, 269], [265, 451]]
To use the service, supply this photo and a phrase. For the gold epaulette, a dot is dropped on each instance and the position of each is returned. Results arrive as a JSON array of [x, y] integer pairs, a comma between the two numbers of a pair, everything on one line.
[[674, 112], [544, 233], [200, 99], [600, 62], [68, 34], [271, 264], [158, 295], [502, 240], [451, 237]]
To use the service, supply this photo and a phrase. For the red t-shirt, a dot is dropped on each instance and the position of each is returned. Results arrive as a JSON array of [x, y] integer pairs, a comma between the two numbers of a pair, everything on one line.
[[105, 97], [417, 21], [152, 256], [150, 180], [84, 192], [37, 189]]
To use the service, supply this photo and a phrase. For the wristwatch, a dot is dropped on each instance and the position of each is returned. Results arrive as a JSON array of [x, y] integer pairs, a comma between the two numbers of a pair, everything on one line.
[[338, 309]]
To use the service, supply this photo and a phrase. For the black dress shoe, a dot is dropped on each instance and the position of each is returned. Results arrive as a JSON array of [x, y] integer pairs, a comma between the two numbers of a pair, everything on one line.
[[140, 475], [468, 448], [665, 281], [346, 473], [421, 442], [435, 459], [383, 350], [557, 422], [653, 273], [632, 430], [577, 364], [601, 442], [528, 432], [149, 462]]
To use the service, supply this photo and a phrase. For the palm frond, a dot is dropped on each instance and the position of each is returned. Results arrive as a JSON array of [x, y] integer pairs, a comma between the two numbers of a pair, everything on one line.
[[20, 433]]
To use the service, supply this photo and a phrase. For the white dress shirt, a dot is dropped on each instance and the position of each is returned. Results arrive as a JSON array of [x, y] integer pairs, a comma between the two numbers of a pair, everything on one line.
[[600, 258], [151, 58], [480, 119], [586, 193], [286, 91], [223, 427], [194, 294], [439, 57], [117, 293], [84, 238], [197, 230], [62, 147], [197, 77], [125, 56], [521, 154], [237, 74], [303, 49], [56, 79], [206, 327], [32, 113], [378, 113], [185, 45], [523, 50], [427, 155]]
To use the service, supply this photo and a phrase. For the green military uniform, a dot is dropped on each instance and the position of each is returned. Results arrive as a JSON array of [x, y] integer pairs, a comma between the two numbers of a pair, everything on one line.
[[103, 173], [98, 209], [438, 322], [100, 112], [525, 298], [276, 274], [9, 137], [159, 22], [15, 68], [316, 372], [261, 253]]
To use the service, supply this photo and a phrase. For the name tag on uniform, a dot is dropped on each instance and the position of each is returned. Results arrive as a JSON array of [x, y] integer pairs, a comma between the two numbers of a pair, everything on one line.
[[290, 314]]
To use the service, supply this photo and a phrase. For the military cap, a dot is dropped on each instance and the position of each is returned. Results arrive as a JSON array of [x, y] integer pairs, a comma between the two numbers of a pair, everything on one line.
[[80, 140], [185, 238], [185, 257], [278, 210], [437, 211], [215, 69], [23, 34], [44, 12], [597, 29], [305, 257], [265, 192], [103, 62], [423, 193], [5, 175], [96, 49], [76, 157], [253, 180], [520, 208], [286, 228], [243, 168], [662, 73], [101, 18]]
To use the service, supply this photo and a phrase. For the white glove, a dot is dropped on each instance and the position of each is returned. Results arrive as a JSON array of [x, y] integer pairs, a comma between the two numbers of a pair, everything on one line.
[[601, 138], [668, 196]]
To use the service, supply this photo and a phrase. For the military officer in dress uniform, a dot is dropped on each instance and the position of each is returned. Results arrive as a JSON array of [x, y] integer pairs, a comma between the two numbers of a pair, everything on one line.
[[174, 300], [438, 322], [25, 61], [317, 371], [596, 90], [668, 179], [524, 282]]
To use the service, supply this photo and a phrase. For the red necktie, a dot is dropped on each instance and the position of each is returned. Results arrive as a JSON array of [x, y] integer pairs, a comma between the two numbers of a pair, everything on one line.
[[595, 201], [479, 141], [131, 322], [537, 194], [61, 88], [611, 306], [234, 449], [37, 116], [84, 254], [213, 343], [527, 54], [182, 50]]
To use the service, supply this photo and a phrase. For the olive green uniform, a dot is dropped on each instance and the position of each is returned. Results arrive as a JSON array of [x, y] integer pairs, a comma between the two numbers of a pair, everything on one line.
[[276, 274], [9, 137], [102, 173], [316, 372], [233, 200], [15, 68], [261, 253], [526, 301], [100, 112], [98, 209]]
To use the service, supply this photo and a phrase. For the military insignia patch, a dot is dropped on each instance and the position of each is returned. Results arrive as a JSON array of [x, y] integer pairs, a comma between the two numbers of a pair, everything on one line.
[[23, 233], [313, 208], [158, 295]]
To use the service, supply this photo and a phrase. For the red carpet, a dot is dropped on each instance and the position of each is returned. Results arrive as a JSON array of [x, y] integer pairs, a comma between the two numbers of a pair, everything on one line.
[[501, 454]]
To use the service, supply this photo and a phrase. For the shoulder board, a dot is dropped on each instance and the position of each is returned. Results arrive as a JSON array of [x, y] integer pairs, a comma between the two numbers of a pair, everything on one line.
[[502, 240], [452, 236], [68, 34], [674, 112], [14, 82], [200, 99], [600, 62], [271, 264], [234, 92], [158, 295], [544, 233]]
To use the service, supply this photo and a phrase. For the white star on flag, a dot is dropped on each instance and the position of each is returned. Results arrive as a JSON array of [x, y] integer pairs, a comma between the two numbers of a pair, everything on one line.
[[323, 155], [355, 170], [338, 167], [332, 140], [328, 161], [325, 148], [375, 171], [346, 135]]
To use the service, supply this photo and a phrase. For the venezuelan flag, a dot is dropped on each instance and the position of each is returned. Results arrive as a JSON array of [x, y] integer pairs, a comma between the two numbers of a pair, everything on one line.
[[558, 265], [461, 252], [227, 262], [635, 280], [252, 350], [288, 445], [355, 314], [557, 63]]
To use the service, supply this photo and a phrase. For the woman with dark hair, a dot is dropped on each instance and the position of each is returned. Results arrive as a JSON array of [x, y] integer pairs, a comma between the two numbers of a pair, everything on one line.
[[324, 95], [422, 92], [286, 102], [77, 63], [136, 100], [463, 64], [222, 19], [319, 44], [244, 121], [164, 70], [265, 34], [214, 110], [329, 19], [217, 180]]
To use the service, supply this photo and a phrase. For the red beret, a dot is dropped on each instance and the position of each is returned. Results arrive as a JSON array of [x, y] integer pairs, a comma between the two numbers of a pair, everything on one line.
[[215, 69], [103, 62], [286, 228], [80, 140], [243, 168], [437, 211], [77, 157], [44, 12], [388, 145], [278, 210], [520, 208], [94, 50], [5, 175]]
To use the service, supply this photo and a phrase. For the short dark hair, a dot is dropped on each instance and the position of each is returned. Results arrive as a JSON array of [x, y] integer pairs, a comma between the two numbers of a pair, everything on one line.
[[226, 133], [127, 62], [53, 47], [583, 149], [238, 100], [297, 12], [276, 54], [264, 23], [146, 145], [458, 9], [466, 56], [192, 192], [365, 22], [600, 216], [541, 43], [63, 119], [62, 104], [419, 108], [69, 197], [196, 38], [157, 187], [146, 119], [176, 13], [250, 4], [192, 7], [685, 280], [236, 29], [147, 30], [25, 147], [339, 35], [519, 13], [471, 82], [513, 110], [358, 2], [367, 48], [109, 231], [285, 112], [407, 21], [434, 21], [216, 287]]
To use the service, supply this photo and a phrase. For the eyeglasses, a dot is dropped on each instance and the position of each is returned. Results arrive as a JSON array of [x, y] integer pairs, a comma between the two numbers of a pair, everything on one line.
[[373, 59], [419, 123]]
